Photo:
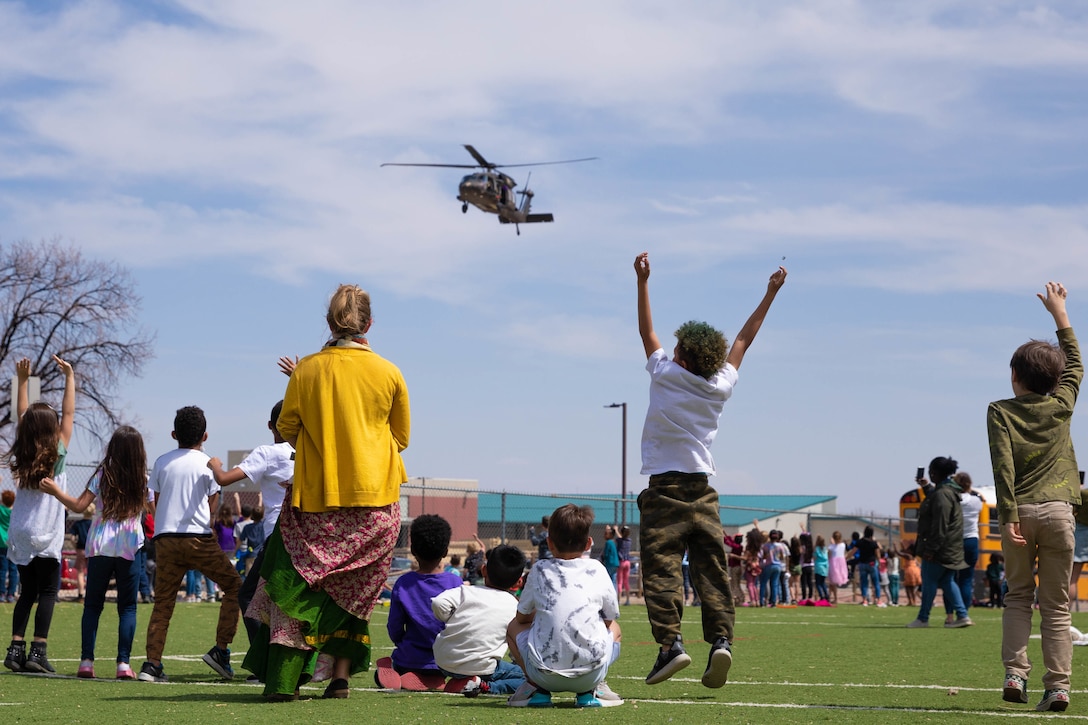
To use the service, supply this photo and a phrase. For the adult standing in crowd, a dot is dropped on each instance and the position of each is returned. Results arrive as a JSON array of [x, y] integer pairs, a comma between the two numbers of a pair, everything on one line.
[[346, 414], [940, 544], [971, 503]]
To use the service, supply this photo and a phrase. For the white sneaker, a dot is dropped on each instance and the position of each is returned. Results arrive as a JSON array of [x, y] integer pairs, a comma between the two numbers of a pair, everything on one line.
[[607, 697], [521, 696], [882, 605]]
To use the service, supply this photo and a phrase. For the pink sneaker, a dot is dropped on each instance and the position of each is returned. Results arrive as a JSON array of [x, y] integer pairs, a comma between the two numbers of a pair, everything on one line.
[[124, 672], [86, 670]]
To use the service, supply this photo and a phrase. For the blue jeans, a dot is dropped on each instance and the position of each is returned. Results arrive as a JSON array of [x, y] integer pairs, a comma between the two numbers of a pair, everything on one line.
[[768, 580], [144, 582], [965, 578], [865, 573], [935, 575], [99, 571], [505, 680], [9, 575]]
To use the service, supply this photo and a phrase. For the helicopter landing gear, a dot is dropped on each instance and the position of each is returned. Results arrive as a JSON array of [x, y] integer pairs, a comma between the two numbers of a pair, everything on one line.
[[464, 208]]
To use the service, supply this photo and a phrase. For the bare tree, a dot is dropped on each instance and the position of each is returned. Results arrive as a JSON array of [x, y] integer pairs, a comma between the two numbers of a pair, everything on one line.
[[53, 300]]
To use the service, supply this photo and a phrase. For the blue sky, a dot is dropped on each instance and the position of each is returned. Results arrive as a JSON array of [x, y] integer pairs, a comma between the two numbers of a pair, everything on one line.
[[921, 167]]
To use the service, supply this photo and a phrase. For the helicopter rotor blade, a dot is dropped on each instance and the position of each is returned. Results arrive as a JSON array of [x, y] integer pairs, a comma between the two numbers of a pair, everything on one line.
[[525, 190], [438, 166], [479, 157], [543, 163]]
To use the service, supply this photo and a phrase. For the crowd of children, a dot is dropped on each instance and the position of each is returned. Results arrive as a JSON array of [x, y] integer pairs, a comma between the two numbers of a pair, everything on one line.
[[452, 626]]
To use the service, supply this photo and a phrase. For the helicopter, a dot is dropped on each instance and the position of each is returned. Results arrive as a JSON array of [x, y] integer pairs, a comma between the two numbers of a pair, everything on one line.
[[492, 191]]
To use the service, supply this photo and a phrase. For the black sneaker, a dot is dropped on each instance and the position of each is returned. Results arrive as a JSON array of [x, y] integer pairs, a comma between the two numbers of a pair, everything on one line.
[[669, 663], [16, 657], [717, 666], [36, 661], [151, 673], [219, 660]]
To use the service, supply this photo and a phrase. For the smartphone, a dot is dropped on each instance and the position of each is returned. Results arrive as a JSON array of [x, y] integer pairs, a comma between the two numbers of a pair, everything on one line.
[[920, 474]]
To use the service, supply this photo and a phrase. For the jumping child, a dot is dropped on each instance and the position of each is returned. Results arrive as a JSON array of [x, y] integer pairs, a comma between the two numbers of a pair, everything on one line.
[[680, 508], [118, 489], [36, 532]]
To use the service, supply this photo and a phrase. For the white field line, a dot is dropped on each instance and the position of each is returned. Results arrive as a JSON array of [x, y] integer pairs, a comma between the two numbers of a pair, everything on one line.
[[632, 702]]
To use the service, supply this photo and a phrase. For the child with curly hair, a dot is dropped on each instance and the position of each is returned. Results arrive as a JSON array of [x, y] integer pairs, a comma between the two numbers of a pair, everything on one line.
[[679, 508]]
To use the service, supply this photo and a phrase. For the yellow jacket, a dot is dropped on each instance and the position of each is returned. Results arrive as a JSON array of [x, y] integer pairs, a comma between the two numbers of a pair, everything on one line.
[[347, 411]]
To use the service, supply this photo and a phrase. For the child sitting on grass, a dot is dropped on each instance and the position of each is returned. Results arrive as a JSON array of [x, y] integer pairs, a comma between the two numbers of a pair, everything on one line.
[[471, 648], [564, 635], [412, 626]]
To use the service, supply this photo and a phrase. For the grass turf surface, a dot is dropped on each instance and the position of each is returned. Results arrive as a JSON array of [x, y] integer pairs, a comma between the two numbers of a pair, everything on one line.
[[847, 664]]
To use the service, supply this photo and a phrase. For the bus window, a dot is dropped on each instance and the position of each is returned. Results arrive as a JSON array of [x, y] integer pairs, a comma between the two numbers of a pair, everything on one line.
[[995, 526], [910, 521]]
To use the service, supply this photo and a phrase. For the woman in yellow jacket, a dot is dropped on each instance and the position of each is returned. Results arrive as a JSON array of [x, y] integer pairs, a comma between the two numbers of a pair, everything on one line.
[[346, 413]]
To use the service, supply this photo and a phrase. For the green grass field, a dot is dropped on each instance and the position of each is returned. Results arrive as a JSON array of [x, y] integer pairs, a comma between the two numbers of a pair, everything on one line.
[[844, 665]]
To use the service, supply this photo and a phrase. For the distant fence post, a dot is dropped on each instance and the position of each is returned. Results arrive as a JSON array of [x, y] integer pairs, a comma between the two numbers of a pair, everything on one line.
[[502, 518]]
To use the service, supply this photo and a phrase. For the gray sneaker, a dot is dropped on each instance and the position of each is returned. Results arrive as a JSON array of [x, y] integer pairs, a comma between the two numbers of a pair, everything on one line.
[[717, 666], [960, 623], [669, 663], [917, 624]]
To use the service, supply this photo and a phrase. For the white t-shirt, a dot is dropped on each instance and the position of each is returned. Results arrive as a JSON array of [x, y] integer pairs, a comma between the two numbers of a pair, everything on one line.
[[682, 419], [972, 508], [184, 482], [272, 468], [474, 639], [571, 598], [37, 525]]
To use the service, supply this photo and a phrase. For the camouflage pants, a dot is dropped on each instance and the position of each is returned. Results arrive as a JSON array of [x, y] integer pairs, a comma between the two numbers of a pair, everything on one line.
[[680, 511]]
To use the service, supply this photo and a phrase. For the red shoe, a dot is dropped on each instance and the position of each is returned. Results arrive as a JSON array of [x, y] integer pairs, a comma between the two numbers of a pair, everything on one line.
[[385, 676], [422, 681], [456, 685]]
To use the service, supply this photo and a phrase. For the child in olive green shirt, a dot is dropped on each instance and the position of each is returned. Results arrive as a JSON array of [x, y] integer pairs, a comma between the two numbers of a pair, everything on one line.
[[1035, 471]]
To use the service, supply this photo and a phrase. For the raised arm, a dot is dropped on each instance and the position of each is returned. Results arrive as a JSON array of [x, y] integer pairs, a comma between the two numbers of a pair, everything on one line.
[[22, 372], [68, 404], [1054, 301], [650, 343], [747, 333]]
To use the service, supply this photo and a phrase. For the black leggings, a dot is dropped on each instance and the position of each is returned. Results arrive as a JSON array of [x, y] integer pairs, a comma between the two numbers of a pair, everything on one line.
[[807, 589], [41, 580]]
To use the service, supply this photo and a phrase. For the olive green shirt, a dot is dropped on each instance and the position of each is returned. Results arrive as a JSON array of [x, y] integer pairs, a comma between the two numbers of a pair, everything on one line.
[[1030, 445]]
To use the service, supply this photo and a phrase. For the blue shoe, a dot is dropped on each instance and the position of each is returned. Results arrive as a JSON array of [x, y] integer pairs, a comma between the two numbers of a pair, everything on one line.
[[540, 699], [584, 699]]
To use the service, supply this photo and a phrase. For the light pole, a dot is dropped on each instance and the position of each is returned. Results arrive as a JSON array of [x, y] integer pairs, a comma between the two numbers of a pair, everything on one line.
[[623, 467]]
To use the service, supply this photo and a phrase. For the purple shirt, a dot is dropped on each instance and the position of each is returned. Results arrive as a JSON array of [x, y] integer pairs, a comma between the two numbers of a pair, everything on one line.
[[225, 536], [412, 625]]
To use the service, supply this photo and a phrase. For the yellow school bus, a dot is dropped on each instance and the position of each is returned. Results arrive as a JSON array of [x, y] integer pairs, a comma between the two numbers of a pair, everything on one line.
[[989, 534]]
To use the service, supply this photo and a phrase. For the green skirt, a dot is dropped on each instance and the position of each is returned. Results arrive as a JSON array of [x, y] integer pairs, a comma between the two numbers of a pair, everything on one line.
[[326, 627]]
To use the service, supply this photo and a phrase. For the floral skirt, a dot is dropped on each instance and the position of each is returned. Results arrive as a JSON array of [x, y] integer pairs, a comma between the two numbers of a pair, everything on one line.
[[321, 577]]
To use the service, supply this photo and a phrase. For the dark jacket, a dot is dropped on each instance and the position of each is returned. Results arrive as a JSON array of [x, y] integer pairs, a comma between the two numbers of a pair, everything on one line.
[[940, 527]]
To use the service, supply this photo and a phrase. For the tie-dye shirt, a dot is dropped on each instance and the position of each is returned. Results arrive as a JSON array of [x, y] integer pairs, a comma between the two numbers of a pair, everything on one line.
[[571, 599], [109, 537]]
